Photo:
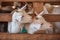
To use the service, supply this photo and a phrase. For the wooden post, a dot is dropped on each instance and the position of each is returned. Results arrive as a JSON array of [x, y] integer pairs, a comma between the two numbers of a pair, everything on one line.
[[38, 6]]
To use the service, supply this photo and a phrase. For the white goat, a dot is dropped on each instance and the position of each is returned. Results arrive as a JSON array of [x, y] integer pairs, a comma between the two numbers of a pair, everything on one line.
[[40, 24], [15, 25]]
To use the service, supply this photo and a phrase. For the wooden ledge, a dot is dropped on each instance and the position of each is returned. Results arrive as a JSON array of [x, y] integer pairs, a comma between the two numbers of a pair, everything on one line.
[[30, 0], [6, 36], [6, 17], [52, 17]]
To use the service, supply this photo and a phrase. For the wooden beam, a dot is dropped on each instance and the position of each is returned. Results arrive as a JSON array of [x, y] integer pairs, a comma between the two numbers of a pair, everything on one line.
[[20, 0], [7, 36], [53, 3], [52, 17], [38, 6], [51, 0], [30, 0], [5, 17]]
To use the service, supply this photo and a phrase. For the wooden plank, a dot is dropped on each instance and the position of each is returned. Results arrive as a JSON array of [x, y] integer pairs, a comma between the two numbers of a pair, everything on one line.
[[52, 17], [51, 0], [54, 3], [7, 36], [38, 6], [20, 0], [5, 17], [30, 0]]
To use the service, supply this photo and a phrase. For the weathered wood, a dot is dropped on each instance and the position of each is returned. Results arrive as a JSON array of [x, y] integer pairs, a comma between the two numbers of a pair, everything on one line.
[[5, 17], [52, 17], [51, 0], [6, 36], [20, 0], [54, 3], [30, 0], [48, 17], [38, 6]]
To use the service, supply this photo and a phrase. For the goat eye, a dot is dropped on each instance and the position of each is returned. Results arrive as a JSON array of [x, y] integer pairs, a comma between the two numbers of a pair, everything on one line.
[[42, 24], [37, 18], [22, 16]]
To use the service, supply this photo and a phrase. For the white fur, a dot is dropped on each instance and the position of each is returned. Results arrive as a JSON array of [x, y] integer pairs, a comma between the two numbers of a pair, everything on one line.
[[45, 25], [15, 25], [36, 24], [33, 28]]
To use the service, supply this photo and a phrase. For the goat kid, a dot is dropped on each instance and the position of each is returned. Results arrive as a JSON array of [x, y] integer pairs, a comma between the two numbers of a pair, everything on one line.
[[15, 25], [40, 24]]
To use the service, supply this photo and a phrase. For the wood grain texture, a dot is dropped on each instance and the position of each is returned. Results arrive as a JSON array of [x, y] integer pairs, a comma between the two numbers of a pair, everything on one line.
[[52, 17], [30, 0], [5, 17], [38, 6], [51, 0], [21, 0], [6, 36]]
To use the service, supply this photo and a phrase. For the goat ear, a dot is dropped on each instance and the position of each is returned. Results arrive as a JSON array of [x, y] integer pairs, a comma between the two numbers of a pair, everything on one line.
[[41, 13], [24, 7], [36, 13]]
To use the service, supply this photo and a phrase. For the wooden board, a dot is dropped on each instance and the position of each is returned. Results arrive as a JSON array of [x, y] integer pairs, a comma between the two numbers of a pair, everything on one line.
[[30, 0], [6, 36], [38, 6], [5, 17], [20, 0], [51, 0], [52, 17]]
